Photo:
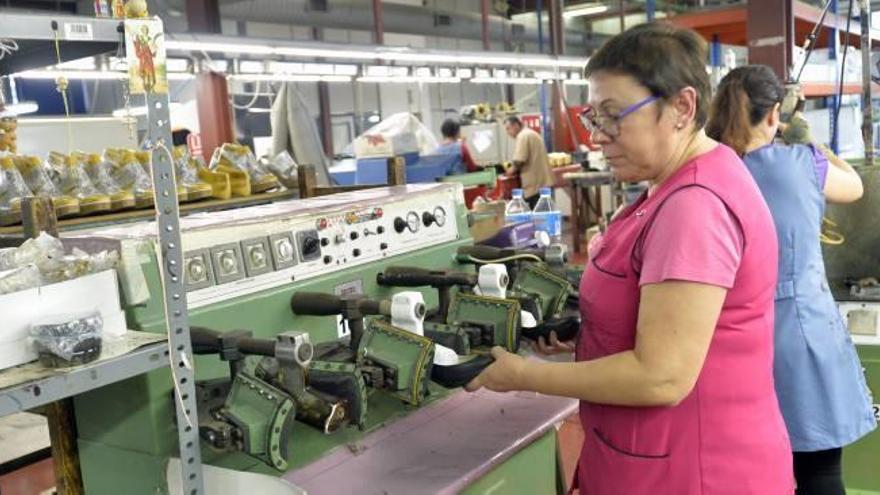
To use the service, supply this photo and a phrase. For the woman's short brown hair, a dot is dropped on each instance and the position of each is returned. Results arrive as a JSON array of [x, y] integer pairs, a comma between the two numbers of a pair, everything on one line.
[[661, 57]]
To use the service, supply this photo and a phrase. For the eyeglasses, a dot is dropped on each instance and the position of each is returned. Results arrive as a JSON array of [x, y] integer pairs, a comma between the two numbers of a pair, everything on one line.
[[609, 125]]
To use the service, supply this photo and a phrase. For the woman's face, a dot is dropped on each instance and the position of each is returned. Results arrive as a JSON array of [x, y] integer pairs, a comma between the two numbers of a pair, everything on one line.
[[646, 138]]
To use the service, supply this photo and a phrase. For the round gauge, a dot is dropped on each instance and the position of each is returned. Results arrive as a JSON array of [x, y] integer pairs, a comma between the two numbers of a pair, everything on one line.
[[439, 216], [412, 221]]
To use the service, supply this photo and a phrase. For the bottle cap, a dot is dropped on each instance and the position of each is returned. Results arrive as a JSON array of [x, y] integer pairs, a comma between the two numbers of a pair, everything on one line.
[[545, 191], [516, 193]]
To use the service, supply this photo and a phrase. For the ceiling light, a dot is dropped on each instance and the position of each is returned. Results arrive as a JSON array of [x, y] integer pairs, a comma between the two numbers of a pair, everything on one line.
[[71, 74], [576, 82], [177, 64], [320, 69], [200, 46], [259, 110], [505, 80], [20, 108], [408, 79], [422, 71], [446, 72], [87, 63], [345, 70], [139, 111], [288, 78], [251, 67], [584, 10], [464, 73]]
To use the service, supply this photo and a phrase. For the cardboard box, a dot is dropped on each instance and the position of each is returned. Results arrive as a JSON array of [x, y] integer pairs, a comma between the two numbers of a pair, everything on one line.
[[488, 220], [96, 292], [385, 145]]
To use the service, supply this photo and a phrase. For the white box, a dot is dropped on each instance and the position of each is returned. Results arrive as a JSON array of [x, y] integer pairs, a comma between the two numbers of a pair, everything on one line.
[[96, 292], [385, 145]]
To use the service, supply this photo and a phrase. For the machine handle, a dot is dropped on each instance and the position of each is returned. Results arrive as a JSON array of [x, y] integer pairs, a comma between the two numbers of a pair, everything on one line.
[[407, 276], [458, 375], [208, 341], [316, 303], [566, 329], [321, 304], [204, 340]]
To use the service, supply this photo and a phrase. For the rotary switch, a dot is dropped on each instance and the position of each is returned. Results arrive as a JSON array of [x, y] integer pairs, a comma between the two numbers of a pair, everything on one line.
[[399, 225]]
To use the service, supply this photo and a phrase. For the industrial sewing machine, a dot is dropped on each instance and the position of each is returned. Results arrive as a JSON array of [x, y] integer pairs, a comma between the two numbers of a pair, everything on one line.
[[300, 346]]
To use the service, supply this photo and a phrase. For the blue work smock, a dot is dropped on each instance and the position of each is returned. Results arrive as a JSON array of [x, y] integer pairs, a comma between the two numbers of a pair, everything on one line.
[[820, 382]]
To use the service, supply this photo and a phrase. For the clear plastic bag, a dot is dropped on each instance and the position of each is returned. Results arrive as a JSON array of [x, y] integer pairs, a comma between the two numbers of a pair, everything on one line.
[[285, 169], [44, 251], [99, 171], [12, 186], [79, 263], [69, 175], [22, 278], [128, 172], [34, 172], [242, 158], [185, 167], [68, 340]]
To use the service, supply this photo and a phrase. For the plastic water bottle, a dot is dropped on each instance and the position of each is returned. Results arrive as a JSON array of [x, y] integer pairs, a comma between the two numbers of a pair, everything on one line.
[[517, 210], [547, 217]]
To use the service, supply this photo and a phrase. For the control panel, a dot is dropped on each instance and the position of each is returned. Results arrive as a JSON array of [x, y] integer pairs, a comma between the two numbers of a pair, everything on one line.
[[317, 237]]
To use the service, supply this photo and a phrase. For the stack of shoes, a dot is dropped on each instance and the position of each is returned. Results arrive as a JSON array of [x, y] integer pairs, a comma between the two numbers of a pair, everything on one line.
[[144, 158], [8, 139], [127, 171], [69, 175], [35, 175], [187, 173], [221, 183], [235, 157], [12, 189], [99, 172]]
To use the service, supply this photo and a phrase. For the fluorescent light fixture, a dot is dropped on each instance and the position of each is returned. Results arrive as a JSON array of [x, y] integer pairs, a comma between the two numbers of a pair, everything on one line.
[[584, 10], [398, 71], [505, 80], [319, 69], [251, 67], [547, 75], [20, 108], [345, 70], [285, 68], [378, 53], [217, 65], [259, 110], [445, 72], [501, 73], [177, 64], [71, 74], [63, 120], [464, 73], [87, 63], [378, 71], [288, 78], [180, 76], [408, 79], [422, 71], [576, 82]]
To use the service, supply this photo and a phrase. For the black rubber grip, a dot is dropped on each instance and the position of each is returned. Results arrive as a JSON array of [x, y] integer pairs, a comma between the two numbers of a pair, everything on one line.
[[566, 329], [316, 303], [258, 347], [458, 375], [406, 276], [484, 252], [204, 340]]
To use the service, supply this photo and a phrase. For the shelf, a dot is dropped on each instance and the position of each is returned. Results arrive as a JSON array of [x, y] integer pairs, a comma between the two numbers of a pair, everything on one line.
[[80, 36], [729, 24], [69, 224], [32, 385]]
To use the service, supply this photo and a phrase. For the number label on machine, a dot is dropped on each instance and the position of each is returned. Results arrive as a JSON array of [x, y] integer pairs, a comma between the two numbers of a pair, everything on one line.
[[877, 412], [352, 288]]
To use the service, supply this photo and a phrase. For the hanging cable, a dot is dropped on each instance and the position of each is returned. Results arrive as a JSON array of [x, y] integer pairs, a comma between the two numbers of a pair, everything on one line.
[[840, 81], [7, 47], [61, 85]]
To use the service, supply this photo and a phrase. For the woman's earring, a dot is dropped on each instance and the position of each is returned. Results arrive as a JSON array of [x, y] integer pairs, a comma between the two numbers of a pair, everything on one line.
[[679, 126]]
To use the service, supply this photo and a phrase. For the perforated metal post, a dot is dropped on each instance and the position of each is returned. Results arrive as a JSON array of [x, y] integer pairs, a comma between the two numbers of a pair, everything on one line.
[[171, 261]]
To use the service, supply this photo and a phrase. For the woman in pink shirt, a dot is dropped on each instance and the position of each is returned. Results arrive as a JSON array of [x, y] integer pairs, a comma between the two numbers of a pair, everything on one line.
[[674, 358]]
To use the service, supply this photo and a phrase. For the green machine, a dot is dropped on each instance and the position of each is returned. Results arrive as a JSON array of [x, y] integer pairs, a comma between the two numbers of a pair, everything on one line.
[[300, 359]]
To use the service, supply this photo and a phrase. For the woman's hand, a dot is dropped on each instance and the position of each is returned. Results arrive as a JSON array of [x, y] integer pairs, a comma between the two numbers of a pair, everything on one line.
[[504, 375], [553, 347]]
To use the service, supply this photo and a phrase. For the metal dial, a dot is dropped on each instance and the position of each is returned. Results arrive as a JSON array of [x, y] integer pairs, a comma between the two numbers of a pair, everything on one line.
[[413, 221], [439, 216], [197, 271]]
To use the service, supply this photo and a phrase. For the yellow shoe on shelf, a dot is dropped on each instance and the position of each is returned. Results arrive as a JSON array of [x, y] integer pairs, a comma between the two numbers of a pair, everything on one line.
[[70, 177], [235, 156], [12, 189], [144, 157], [35, 174], [186, 170], [99, 172], [129, 173], [221, 188]]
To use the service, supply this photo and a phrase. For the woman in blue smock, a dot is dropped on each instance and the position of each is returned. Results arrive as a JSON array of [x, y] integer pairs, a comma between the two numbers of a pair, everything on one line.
[[819, 379], [453, 145]]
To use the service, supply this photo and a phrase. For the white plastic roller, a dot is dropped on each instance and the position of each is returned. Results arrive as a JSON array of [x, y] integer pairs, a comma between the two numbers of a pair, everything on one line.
[[408, 311], [493, 280]]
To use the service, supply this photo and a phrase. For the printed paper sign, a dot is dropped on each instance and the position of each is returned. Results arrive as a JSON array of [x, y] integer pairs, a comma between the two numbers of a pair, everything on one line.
[[145, 53]]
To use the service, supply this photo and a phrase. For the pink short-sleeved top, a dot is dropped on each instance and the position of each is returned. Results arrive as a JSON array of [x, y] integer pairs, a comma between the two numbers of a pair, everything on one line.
[[708, 224]]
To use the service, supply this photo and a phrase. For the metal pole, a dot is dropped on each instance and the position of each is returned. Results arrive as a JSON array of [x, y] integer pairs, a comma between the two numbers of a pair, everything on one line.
[[649, 10], [622, 15], [833, 48], [484, 17], [542, 91], [867, 111], [378, 24]]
